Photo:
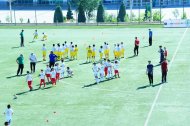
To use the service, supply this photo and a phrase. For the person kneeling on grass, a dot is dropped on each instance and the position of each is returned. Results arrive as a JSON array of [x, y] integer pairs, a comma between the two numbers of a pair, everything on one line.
[[29, 80], [69, 72]]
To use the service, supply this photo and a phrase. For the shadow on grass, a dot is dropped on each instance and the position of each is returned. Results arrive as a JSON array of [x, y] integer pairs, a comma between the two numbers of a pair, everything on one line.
[[25, 92], [157, 65], [32, 42], [85, 63], [16, 47], [90, 85], [16, 76], [146, 86], [131, 57], [145, 46]]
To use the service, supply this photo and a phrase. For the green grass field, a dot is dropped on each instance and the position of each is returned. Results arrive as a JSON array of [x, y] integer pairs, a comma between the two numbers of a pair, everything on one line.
[[120, 102]]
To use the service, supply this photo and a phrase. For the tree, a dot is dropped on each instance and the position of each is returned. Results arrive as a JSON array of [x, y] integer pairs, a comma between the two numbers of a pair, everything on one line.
[[100, 13], [184, 16], [122, 13], [156, 16], [58, 15], [176, 13], [147, 14], [88, 6], [69, 12], [81, 14]]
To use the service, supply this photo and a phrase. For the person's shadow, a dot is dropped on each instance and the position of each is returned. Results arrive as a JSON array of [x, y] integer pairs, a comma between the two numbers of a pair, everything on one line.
[[9, 77], [16, 47], [146, 86]]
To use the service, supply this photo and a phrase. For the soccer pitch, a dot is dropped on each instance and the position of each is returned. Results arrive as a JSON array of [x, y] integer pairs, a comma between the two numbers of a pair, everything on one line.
[[126, 101]]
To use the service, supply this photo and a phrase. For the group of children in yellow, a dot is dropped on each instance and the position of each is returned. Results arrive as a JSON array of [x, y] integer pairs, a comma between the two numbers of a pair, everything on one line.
[[102, 70]]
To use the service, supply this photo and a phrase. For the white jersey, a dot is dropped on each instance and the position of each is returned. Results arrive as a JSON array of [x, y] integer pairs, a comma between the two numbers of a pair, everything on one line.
[[118, 48], [59, 49], [93, 49], [53, 74], [122, 46], [8, 114], [63, 67], [101, 50], [57, 69], [35, 33], [62, 48], [44, 48], [95, 70], [42, 75], [105, 63], [53, 49], [70, 46], [28, 77], [102, 69], [109, 65], [107, 47], [48, 70], [116, 66], [72, 49]]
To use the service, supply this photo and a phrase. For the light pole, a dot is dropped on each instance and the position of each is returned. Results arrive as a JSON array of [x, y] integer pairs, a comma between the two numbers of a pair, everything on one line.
[[10, 9], [183, 9], [139, 11], [160, 12]]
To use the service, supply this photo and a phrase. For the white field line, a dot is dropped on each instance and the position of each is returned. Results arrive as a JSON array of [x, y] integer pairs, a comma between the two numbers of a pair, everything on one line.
[[160, 88]]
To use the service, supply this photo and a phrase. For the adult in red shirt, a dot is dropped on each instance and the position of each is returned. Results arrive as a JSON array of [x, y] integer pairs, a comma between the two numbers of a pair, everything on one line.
[[164, 68], [136, 49]]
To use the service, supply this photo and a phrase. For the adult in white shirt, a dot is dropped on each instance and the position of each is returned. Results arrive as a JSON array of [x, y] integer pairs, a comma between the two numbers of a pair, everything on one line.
[[33, 61], [8, 114]]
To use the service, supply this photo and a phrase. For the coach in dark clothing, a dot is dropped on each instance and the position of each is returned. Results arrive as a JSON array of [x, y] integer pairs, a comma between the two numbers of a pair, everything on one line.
[[20, 61], [164, 68], [22, 38], [161, 51], [149, 72], [52, 59], [150, 37]]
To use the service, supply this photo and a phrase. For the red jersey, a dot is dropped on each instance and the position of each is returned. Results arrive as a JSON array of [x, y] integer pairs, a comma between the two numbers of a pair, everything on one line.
[[164, 66], [165, 53], [137, 42]]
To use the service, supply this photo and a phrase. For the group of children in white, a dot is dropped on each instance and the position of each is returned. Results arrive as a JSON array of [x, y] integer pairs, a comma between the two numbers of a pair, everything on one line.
[[52, 75], [105, 70]]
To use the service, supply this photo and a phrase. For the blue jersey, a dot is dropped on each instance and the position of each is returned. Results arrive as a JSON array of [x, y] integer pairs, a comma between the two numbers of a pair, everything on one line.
[[150, 34], [150, 68]]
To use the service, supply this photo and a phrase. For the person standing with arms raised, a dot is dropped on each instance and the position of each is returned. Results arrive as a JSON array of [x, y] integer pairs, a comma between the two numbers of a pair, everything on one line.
[[22, 38], [20, 62], [150, 37], [136, 49]]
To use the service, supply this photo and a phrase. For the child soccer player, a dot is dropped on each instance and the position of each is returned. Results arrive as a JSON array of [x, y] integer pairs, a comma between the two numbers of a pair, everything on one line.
[[53, 49], [76, 52], [89, 54], [35, 35], [70, 48], [105, 67], [69, 72], [93, 53], [29, 80], [101, 50], [53, 77], [105, 49], [62, 68], [116, 69], [44, 37], [58, 71], [48, 73], [44, 50], [8, 113], [165, 53], [118, 51], [115, 51], [66, 49], [95, 71], [63, 51], [101, 71], [109, 65], [42, 78], [72, 52], [108, 51], [58, 52], [122, 50]]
